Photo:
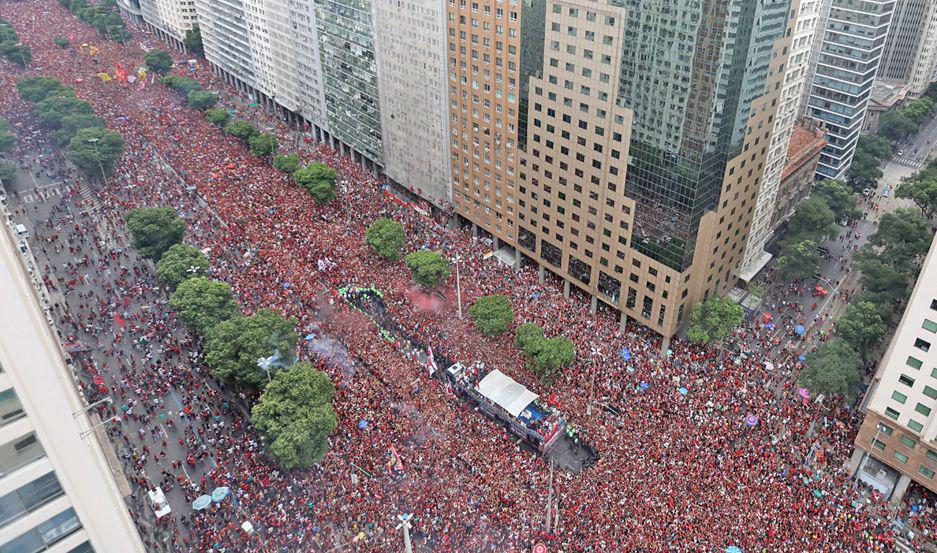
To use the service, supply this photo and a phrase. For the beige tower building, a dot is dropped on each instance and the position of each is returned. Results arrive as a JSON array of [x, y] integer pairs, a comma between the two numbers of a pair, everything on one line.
[[897, 442]]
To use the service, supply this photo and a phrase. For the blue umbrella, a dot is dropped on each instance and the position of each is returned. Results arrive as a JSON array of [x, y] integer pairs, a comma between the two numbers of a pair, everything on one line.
[[769, 326], [733, 549], [801, 357], [645, 385], [220, 493], [626, 354], [800, 330], [362, 424], [683, 390], [201, 502], [310, 337], [535, 296]]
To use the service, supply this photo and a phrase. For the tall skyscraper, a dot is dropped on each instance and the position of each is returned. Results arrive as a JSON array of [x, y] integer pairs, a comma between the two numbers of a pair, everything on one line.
[[170, 19], [57, 491], [647, 136], [802, 25], [910, 54], [850, 51], [897, 442]]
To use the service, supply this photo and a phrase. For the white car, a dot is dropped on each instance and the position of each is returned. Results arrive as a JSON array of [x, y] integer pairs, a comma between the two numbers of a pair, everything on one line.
[[158, 502]]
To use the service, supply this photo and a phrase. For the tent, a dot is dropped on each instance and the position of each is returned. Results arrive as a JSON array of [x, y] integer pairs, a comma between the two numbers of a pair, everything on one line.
[[506, 392]]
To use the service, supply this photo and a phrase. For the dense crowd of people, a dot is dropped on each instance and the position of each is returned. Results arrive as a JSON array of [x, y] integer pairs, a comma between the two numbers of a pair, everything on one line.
[[739, 459]]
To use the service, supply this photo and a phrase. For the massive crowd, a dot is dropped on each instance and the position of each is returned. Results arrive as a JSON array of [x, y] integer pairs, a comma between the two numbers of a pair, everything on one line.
[[738, 460]]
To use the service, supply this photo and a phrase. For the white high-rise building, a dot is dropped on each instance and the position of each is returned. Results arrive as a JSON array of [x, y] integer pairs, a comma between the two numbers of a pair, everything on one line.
[[802, 25], [910, 54], [171, 19], [57, 489], [853, 40]]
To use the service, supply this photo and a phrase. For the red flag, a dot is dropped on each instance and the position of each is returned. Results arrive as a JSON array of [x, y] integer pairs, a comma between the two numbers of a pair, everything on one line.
[[119, 321]]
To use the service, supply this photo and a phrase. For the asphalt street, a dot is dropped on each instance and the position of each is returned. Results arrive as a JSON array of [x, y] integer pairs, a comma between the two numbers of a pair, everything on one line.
[[917, 149]]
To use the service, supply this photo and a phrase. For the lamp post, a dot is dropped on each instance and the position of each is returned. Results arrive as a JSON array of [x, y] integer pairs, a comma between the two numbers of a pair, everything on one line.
[[94, 144], [595, 353], [458, 285], [405, 524]]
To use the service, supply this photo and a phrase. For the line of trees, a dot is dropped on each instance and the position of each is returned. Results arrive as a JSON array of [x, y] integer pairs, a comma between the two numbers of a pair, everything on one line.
[[102, 15], [71, 122], [10, 46], [294, 412], [7, 145]]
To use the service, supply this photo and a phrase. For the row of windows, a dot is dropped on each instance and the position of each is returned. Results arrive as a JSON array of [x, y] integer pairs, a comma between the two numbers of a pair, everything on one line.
[[907, 441]]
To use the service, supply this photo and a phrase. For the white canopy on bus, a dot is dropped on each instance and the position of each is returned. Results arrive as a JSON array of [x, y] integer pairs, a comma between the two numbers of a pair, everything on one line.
[[506, 392]]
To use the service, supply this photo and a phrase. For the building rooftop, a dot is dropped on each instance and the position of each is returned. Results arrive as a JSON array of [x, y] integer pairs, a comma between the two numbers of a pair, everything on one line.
[[806, 142]]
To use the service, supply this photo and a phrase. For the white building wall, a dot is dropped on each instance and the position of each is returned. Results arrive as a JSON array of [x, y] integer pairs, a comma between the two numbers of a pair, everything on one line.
[[174, 17], [925, 66], [225, 37], [906, 391], [33, 367], [410, 49], [803, 25]]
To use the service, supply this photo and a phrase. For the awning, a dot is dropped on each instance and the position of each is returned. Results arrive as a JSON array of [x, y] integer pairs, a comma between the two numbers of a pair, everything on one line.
[[506, 392]]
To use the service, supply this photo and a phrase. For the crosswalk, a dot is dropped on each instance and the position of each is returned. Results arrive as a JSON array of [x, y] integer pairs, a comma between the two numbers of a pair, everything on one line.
[[33, 196], [909, 162], [88, 197]]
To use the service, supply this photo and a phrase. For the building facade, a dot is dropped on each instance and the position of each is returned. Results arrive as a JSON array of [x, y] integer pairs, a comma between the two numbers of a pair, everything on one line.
[[802, 25], [57, 488], [850, 51], [170, 19], [800, 169], [910, 54], [897, 442]]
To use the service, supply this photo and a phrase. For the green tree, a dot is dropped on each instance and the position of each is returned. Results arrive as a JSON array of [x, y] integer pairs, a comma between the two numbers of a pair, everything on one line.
[[37, 89], [7, 174], [832, 370], [428, 268], [552, 353], [387, 237], [158, 61], [62, 42], [241, 129], [319, 180], [193, 40], [904, 237], [922, 191], [182, 85], [53, 109], [289, 164], [799, 260], [526, 334], [896, 125], [218, 117], [7, 138], [883, 304], [840, 199], [200, 99], [875, 146], [812, 219], [263, 144], [492, 314], [180, 263], [154, 230], [861, 326], [713, 320], [71, 124], [295, 416], [201, 303], [95, 149], [864, 171], [880, 277], [16, 53], [236, 349]]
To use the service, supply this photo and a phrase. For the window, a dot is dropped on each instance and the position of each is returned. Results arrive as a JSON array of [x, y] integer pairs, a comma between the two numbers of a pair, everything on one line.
[[891, 413], [926, 471], [907, 441], [915, 425], [922, 409], [899, 397], [10, 407], [913, 362], [930, 392], [906, 380], [885, 429], [922, 345], [878, 444], [14, 455], [46, 534], [901, 457], [29, 497], [929, 326], [931, 455]]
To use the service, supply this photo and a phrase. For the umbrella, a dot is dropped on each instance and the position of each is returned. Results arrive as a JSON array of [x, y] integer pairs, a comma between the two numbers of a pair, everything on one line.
[[801, 358], [769, 326], [220, 493], [682, 390], [626, 354], [733, 549], [803, 393], [800, 330], [201, 502], [751, 420], [535, 296], [645, 385], [362, 424]]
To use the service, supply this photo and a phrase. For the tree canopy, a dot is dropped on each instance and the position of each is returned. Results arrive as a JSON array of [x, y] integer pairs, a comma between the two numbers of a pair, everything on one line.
[[7, 174], [95, 149], [904, 238], [295, 416], [526, 334], [201, 99], [218, 117], [158, 61], [52, 109], [7, 138], [71, 124], [154, 230], [180, 263], [235, 347], [35, 89], [428, 268], [921, 189], [874, 145], [713, 320], [896, 125], [289, 164], [201, 303], [864, 171], [492, 314], [193, 40], [861, 326], [551, 354], [241, 129], [182, 85], [799, 259], [841, 200], [813, 219], [319, 180], [263, 144], [387, 237], [832, 370]]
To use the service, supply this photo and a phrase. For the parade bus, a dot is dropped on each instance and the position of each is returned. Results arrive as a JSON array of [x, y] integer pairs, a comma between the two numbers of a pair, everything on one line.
[[504, 399]]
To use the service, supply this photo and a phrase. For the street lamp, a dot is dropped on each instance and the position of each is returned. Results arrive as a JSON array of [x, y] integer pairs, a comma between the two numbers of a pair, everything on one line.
[[405, 524], [458, 285], [595, 353], [265, 362], [94, 144]]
